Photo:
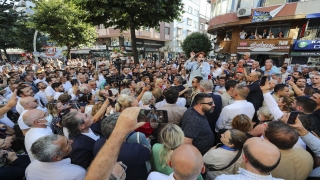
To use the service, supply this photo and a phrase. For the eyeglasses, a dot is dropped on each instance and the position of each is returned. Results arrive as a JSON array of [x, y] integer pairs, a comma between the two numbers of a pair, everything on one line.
[[208, 103]]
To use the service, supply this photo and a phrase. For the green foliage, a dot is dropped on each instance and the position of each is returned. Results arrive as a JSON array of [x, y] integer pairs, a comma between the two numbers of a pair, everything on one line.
[[196, 42], [131, 14], [64, 22]]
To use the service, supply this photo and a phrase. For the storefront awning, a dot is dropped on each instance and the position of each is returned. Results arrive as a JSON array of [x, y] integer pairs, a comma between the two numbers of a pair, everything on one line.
[[312, 16], [267, 53]]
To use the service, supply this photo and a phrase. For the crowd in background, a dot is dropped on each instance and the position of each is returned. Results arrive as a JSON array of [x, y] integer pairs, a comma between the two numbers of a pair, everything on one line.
[[225, 120]]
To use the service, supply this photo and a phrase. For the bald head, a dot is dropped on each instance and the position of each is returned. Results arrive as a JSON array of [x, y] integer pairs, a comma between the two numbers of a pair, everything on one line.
[[186, 168], [261, 155], [28, 102], [31, 116]]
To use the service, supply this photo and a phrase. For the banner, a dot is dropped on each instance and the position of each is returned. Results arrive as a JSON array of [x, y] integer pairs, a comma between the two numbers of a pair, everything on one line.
[[261, 16]]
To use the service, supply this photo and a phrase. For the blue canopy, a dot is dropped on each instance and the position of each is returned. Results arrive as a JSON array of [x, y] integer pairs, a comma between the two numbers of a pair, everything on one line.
[[311, 16]]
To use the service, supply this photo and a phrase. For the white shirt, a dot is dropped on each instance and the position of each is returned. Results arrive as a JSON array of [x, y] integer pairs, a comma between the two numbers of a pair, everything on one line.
[[8, 91], [91, 135], [49, 91], [245, 175], [21, 124], [40, 80], [88, 109], [56, 95], [232, 110], [180, 102], [217, 72], [67, 85], [42, 96], [159, 176], [32, 135], [55, 170]]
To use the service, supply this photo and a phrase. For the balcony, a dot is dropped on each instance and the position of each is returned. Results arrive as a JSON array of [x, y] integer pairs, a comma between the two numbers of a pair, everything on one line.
[[225, 46]]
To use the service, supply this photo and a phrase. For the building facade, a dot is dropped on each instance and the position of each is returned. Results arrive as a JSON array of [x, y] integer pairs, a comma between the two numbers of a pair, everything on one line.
[[265, 28]]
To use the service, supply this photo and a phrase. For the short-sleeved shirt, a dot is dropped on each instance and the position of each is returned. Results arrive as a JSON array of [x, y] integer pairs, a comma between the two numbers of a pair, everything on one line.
[[133, 155], [195, 126]]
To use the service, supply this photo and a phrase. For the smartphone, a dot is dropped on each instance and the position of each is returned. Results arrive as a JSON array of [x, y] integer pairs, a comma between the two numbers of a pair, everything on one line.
[[263, 80], [288, 78], [158, 116], [292, 117], [112, 103]]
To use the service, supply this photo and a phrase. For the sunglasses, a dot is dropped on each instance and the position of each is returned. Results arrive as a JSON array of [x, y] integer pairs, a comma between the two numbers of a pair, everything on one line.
[[208, 103]]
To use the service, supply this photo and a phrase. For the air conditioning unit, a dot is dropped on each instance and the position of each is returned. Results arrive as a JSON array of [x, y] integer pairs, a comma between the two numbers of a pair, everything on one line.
[[243, 12]]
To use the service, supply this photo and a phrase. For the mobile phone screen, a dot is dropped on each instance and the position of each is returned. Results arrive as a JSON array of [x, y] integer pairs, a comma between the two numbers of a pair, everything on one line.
[[158, 116], [292, 117]]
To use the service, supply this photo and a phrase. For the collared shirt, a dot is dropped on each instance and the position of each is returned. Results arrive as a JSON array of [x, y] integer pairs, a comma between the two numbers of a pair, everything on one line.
[[42, 95], [67, 85], [157, 176], [32, 135], [226, 99], [246, 175], [232, 110], [55, 170]]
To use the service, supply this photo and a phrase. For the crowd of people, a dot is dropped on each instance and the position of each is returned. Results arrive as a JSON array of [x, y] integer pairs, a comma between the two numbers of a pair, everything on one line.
[[80, 119]]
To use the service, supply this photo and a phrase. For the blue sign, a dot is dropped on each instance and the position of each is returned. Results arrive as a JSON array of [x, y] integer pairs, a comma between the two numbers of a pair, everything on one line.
[[307, 45], [261, 16]]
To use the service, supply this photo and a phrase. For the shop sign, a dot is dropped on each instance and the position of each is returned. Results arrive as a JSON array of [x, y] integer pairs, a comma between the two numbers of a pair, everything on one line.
[[304, 54], [302, 45], [263, 46], [110, 48]]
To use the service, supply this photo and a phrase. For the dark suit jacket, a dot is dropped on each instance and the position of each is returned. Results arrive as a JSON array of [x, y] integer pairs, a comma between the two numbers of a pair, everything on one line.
[[255, 96], [213, 117], [82, 150]]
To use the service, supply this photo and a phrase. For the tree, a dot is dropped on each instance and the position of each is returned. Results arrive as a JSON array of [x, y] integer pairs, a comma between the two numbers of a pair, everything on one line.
[[8, 20], [131, 14], [64, 22], [196, 42]]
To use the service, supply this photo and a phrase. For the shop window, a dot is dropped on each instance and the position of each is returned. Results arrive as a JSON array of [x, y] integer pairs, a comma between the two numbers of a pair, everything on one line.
[[299, 60]]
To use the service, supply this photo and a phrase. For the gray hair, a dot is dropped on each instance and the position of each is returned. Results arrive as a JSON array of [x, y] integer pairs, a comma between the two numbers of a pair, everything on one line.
[[242, 90], [91, 81], [179, 79], [270, 60], [265, 112], [44, 149], [72, 123], [247, 53], [146, 98], [108, 124], [83, 87], [206, 84], [126, 91]]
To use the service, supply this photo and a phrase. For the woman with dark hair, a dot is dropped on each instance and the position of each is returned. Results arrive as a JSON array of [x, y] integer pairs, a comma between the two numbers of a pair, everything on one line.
[[280, 34], [225, 158], [90, 100], [197, 66]]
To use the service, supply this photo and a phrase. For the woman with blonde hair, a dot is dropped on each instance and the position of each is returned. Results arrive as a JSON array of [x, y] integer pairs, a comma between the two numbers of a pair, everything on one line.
[[265, 116], [54, 109], [284, 104], [159, 84], [172, 137]]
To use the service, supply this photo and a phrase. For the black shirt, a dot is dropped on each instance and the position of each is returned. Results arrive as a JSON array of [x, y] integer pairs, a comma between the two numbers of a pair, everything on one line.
[[195, 126]]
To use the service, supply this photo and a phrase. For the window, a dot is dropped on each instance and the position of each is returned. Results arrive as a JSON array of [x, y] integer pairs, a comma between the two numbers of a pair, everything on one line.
[[196, 12], [190, 10], [273, 2], [195, 24], [189, 22], [179, 31], [201, 26], [274, 29], [167, 31], [312, 32], [101, 26], [178, 43], [189, 32]]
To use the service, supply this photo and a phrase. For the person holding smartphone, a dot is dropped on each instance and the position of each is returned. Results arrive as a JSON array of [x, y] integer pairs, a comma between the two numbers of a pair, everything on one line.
[[197, 66]]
